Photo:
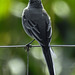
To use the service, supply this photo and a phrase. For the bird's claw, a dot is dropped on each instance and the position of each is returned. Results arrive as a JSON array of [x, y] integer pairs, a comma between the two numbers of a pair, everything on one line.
[[28, 45]]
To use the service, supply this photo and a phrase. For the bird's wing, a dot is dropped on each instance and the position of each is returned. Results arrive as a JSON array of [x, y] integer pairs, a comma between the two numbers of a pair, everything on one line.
[[49, 30], [48, 24], [34, 30], [31, 26]]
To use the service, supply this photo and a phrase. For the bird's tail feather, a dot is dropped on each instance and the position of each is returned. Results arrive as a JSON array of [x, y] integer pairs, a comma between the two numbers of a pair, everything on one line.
[[52, 53], [48, 57]]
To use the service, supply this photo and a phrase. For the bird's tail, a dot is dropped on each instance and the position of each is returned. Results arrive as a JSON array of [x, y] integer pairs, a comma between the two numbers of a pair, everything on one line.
[[48, 57]]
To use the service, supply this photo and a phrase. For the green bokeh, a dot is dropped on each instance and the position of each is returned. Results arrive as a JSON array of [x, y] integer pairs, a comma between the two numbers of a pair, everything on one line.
[[62, 13]]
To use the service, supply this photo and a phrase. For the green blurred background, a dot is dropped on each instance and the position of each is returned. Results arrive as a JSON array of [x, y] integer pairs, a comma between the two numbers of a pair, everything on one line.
[[13, 60]]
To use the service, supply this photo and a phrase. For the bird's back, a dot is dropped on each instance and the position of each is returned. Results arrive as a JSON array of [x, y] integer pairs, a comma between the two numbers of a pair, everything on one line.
[[41, 19]]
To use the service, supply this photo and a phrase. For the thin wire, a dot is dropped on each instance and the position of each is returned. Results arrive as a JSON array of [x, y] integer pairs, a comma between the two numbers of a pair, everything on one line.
[[27, 61], [55, 46], [16, 46]]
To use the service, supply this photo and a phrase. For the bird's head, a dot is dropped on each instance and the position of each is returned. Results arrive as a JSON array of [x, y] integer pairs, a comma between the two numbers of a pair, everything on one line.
[[35, 1], [35, 4]]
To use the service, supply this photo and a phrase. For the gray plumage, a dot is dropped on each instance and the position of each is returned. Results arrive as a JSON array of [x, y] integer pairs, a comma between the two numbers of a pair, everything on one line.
[[37, 25]]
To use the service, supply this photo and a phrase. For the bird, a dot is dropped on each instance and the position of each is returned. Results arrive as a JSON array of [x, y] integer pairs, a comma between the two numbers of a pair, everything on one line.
[[37, 24]]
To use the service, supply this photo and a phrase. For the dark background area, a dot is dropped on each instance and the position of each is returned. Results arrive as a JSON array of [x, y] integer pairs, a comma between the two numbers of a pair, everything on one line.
[[13, 60]]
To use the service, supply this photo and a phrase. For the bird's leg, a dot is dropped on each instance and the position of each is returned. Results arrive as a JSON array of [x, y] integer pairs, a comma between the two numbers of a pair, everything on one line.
[[30, 42], [28, 45]]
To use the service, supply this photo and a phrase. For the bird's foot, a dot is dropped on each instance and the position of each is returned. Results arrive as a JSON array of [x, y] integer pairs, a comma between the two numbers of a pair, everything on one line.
[[29, 45]]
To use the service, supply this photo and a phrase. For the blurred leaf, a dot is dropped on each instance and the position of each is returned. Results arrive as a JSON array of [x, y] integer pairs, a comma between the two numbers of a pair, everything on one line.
[[61, 8], [17, 8], [4, 8]]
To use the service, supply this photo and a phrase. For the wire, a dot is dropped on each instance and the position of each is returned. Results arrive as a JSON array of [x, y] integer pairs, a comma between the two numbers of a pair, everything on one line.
[[28, 60], [16, 46], [55, 46]]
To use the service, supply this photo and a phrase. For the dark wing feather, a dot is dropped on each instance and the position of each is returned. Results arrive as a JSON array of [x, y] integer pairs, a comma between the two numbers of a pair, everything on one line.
[[31, 28], [48, 30], [48, 24]]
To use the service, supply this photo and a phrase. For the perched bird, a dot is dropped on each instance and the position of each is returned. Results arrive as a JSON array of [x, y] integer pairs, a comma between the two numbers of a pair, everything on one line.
[[37, 25]]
